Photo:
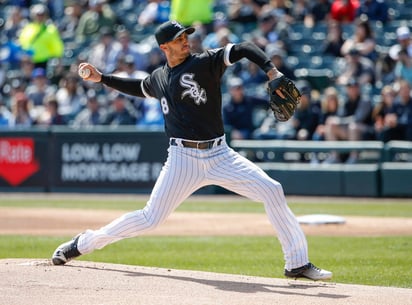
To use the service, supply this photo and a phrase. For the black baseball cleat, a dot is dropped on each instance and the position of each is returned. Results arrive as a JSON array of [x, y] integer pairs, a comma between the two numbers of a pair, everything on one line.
[[66, 252], [309, 271]]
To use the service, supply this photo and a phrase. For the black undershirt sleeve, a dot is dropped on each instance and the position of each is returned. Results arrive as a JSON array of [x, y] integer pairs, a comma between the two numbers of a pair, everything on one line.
[[129, 86], [253, 53]]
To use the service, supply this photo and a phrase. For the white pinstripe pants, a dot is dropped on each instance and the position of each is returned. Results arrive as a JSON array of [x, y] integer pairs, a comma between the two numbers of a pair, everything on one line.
[[188, 169]]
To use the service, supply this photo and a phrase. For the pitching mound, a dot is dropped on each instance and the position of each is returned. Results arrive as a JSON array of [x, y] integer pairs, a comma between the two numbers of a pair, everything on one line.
[[37, 282]]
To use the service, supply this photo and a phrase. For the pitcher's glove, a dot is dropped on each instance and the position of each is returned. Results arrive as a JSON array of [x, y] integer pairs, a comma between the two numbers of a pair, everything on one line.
[[283, 107]]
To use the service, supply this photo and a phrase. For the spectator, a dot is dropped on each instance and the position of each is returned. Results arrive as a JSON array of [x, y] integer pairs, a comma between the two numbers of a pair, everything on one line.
[[376, 10], [252, 76], [220, 25], [283, 9], [12, 52], [329, 107], [104, 53], [381, 116], [70, 96], [126, 47], [224, 36], [10, 88], [155, 11], [244, 13], [39, 88], [126, 68], [353, 122], [50, 116], [403, 35], [156, 59], [344, 11], [319, 12], [5, 114], [356, 67], [332, 46], [99, 15], [94, 113], [306, 116], [56, 8], [277, 56], [385, 70], [399, 122], [26, 68], [403, 67], [41, 37], [299, 10], [14, 23], [271, 30], [21, 107], [238, 113], [120, 112], [362, 39], [70, 20]]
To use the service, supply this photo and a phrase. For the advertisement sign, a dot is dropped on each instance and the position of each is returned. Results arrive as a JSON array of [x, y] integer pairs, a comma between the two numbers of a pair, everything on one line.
[[17, 161], [23, 160], [108, 160]]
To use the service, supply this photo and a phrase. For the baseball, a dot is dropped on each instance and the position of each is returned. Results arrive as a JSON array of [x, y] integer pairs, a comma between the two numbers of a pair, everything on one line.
[[84, 72]]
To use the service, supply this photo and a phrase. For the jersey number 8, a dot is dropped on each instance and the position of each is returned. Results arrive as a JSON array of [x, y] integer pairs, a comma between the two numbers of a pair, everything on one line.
[[165, 106]]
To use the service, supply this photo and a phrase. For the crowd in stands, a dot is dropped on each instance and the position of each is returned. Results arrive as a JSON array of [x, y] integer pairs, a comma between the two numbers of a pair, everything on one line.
[[351, 59]]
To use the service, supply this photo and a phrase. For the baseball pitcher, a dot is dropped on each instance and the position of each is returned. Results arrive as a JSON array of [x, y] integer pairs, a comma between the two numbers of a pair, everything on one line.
[[188, 88]]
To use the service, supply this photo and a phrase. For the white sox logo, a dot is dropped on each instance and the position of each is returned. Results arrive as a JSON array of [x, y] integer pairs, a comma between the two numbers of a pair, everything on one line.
[[193, 89], [176, 24]]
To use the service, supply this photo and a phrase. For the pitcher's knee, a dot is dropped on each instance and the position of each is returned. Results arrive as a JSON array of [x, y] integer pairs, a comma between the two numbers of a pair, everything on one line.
[[277, 186], [152, 220], [152, 223], [271, 191]]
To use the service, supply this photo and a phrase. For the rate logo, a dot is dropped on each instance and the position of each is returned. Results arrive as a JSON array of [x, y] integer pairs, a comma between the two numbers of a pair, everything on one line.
[[17, 161]]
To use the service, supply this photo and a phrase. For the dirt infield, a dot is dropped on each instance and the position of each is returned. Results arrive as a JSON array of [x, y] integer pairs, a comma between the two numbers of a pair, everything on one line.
[[68, 222], [36, 282]]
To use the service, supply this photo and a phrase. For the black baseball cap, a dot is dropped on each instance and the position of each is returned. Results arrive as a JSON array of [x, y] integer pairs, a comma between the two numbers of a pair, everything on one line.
[[170, 30]]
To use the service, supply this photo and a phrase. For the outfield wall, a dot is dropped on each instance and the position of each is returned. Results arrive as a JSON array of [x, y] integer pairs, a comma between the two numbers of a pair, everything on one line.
[[127, 160], [68, 160]]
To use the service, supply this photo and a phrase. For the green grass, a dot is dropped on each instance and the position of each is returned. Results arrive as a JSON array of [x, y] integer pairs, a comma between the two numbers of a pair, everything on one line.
[[383, 208], [382, 261]]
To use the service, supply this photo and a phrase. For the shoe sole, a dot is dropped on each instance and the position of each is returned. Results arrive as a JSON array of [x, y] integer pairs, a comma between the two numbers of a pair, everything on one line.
[[57, 261], [301, 276]]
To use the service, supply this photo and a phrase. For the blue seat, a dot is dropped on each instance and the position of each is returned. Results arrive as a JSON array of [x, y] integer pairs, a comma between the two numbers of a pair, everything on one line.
[[300, 27]]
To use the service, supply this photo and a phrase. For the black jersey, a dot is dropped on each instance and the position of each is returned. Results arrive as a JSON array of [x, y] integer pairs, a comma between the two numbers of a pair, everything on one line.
[[190, 95]]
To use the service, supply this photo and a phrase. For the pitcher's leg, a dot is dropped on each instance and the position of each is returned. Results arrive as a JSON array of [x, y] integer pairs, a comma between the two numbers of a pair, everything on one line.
[[172, 187], [289, 232], [128, 225], [291, 236], [245, 178]]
